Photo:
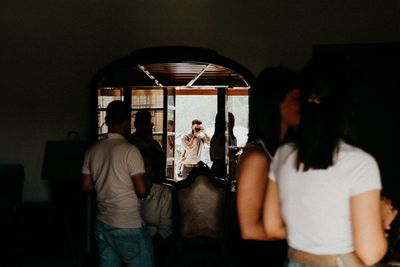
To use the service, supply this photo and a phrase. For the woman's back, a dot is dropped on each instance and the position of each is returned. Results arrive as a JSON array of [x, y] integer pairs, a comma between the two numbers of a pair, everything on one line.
[[323, 194], [315, 203]]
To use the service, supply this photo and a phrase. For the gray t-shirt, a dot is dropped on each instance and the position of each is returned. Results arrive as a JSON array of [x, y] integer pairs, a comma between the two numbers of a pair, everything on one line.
[[193, 154], [111, 163]]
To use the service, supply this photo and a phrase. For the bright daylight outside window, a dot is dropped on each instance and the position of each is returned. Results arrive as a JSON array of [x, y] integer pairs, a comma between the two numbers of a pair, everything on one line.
[[204, 108]]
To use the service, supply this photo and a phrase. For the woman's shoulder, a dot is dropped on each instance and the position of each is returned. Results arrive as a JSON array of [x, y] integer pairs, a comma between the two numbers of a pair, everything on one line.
[[349, 150], [352, 154], [286, 148], [253, 150]]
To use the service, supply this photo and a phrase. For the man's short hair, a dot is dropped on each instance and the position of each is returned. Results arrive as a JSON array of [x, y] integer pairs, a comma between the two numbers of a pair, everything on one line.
[[196, 122], [117, 112]]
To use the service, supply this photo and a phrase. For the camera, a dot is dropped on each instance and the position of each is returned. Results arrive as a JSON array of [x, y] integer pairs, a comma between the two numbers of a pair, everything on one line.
[[197, 129]]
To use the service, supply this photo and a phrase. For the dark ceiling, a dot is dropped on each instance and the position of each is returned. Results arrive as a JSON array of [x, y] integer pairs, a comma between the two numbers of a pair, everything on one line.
[[185, 74], [174, 66]]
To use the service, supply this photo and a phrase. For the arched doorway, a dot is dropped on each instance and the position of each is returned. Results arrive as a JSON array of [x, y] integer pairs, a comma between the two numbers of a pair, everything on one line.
[[172, 83]]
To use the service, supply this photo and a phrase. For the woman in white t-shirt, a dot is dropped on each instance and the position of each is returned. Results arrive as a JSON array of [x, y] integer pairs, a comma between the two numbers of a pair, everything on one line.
[[324, 194]]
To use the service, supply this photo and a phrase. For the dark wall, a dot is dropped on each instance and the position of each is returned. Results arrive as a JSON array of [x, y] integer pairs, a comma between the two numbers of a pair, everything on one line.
[[50, 50], [374, 83]]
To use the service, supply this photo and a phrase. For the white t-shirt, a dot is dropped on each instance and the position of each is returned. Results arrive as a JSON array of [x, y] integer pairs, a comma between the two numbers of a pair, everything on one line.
[[111, 163], [157, 211], [316, 204]]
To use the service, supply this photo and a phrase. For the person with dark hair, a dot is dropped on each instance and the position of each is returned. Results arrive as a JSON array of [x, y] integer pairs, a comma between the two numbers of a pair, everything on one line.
[[114, 168], [218, 142], [324, 194], [273, 111], [232, 150], [157, 206], [157, 213], [193, 144], [152, 152]]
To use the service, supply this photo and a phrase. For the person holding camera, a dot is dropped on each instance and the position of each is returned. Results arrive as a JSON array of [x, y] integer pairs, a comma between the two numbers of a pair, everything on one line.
[[193, 143]]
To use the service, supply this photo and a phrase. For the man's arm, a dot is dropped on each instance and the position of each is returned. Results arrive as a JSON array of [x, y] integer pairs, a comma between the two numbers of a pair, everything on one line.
[[188, 141], [140, 185], [87, 182], [205, 137]]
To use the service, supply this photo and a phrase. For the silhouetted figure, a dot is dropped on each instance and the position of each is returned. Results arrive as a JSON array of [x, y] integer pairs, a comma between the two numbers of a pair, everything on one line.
[[273, 110], [157, 213], [222, 146], [153, 155], [114, 168], [157, 206]]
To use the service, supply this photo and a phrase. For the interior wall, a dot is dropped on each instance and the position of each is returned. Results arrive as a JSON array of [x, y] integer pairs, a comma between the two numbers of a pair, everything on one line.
[[50, 50]]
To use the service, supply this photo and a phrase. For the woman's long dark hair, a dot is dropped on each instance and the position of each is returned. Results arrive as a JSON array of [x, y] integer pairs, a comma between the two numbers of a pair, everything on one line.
[[231, 123], [322, 105], [219, 128], [270, 89]]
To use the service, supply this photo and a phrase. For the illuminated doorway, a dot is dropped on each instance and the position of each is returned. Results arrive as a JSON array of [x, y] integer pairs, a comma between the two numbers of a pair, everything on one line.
[[177, 85]]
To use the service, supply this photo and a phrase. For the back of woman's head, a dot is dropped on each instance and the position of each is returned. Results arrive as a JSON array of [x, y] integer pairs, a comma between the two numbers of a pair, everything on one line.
[[322, 93], [143, 121], [231, 124], [219, 126], [269, 91]]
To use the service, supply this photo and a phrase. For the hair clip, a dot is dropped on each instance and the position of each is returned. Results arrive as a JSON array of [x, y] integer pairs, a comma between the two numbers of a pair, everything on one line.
[[314, 100]]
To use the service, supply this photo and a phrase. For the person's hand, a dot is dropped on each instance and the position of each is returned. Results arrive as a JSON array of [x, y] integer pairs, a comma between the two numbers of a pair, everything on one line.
[[388, 212], [202, 132], [198, 133]]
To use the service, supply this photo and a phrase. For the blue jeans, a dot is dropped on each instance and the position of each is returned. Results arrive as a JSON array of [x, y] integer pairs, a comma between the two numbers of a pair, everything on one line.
[[291, 263], [131, 245], [295, 264]]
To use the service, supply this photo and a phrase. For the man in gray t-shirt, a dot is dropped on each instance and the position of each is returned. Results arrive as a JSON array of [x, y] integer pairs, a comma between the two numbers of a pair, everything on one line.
[[114, 169], [193, 143]]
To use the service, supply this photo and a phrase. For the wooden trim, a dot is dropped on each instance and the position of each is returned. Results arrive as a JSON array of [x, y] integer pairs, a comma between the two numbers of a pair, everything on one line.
[[196, 92], [109, 92], [170, 91], [238, 92], [230, 92]]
